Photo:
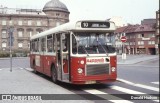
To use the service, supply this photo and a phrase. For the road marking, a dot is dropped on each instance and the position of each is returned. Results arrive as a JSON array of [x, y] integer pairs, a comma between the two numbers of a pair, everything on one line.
[[125, 81], [129, 91], [125, 90], [139, 85], [0, 69], [94, 91], [155, 83]]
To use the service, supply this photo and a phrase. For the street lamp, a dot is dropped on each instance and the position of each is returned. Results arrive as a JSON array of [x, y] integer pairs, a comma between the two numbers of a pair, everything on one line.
[[11, 29]]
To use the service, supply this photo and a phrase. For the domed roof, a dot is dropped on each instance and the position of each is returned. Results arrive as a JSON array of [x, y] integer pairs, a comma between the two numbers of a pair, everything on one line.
[[55, 5]]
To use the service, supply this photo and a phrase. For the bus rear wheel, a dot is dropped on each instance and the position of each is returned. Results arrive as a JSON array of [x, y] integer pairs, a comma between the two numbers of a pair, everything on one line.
[[54, 74]]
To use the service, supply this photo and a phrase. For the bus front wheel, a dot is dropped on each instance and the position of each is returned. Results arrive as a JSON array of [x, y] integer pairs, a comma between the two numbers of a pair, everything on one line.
[[54, 74]]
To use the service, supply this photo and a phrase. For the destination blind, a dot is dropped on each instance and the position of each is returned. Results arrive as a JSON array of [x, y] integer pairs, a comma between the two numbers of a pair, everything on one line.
[[89, 24]]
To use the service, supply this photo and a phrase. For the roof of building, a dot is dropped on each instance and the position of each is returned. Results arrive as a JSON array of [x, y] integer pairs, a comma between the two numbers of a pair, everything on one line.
[[135, 28], [143, 28], [131, 28], [55, 5], [148, 21], [121, 29]]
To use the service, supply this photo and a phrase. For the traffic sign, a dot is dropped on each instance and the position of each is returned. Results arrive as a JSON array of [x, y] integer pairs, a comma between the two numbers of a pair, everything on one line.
[[123, 39]]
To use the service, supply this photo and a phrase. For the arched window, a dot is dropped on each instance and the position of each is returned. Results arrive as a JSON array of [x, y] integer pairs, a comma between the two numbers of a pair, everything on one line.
[[20, 32], [39, 30], [4, 33], [20, 44], [38, 23], [4, 44], [29, 32], [57, 23]]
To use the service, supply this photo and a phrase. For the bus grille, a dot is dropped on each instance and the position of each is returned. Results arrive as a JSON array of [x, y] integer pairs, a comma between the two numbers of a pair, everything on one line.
[[97, 69]]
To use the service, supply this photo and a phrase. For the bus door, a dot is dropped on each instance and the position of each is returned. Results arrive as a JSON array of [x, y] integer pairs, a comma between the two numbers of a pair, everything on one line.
[[63, 57]]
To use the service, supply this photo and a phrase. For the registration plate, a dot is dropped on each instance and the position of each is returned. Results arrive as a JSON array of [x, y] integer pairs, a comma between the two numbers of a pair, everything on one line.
[[90, 82]]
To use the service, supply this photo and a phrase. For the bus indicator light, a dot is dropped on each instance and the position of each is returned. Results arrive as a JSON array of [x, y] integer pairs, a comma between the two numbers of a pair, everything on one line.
[[82, 62], [113, 69]]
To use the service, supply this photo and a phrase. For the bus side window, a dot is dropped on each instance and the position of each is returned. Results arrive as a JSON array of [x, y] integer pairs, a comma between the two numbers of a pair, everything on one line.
[[37, 45], [53, 42], [49, 43], [43, 44], [74, 45], [31, 46], [34, 45], [65, 41]]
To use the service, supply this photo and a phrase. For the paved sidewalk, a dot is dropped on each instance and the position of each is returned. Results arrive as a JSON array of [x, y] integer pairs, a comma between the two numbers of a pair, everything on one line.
[[133, 59], [22, 82]]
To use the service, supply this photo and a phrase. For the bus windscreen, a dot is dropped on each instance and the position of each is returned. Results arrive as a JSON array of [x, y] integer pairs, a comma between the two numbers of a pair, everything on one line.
[[92, 43]]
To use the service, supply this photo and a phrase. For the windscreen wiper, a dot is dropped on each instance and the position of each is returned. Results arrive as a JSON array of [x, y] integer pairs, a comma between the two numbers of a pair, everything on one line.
[[85, 50], [103, 48]]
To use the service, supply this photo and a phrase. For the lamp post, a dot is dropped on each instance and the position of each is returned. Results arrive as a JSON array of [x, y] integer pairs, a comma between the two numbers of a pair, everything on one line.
[[11, 29]]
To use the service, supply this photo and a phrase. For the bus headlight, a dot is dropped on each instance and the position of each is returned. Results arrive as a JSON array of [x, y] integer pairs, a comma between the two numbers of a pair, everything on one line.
[[113, 69], [82, 61], [80, 70]]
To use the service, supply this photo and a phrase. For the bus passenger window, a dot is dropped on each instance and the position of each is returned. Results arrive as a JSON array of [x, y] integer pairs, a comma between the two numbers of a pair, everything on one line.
[[32, 44], [65, 43], [74, 45], [53, 43], [37, 45], [43, 45], [49, 44]]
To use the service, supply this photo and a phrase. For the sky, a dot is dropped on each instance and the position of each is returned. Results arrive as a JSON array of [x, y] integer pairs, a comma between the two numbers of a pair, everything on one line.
[[132, 11]]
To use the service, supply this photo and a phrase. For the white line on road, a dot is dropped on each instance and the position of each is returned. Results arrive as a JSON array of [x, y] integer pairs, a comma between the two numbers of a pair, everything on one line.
[[129, 91], [125, 90], [155, 83], [0, 69], [139, 85], [94, 91]]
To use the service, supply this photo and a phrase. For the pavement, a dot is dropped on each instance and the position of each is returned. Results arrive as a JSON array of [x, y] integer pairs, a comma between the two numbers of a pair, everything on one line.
[[21, 82], [133, 59]]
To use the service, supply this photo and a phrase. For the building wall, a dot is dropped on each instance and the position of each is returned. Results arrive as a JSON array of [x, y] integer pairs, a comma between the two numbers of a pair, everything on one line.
[[140, 39], [27, 25], [140, 42]]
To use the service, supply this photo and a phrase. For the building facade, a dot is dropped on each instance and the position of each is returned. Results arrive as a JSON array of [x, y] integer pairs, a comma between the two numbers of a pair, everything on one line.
[[140, 39], [28, 22]]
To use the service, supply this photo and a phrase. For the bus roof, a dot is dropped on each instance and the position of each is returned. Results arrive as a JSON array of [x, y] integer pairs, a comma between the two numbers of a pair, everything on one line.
[[77, 26]]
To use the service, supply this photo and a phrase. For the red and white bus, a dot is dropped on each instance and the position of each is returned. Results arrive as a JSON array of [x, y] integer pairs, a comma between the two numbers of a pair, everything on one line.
[[76, 53]]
